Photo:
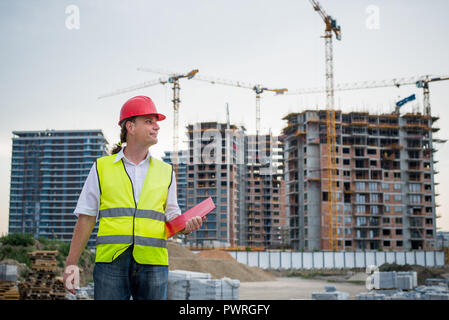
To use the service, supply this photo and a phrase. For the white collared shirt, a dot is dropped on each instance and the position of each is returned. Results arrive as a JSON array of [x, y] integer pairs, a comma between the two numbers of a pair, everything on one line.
[[89, 200]]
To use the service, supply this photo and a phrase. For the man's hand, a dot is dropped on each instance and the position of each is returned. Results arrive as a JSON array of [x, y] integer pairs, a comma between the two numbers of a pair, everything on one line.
[[193, 224], [71, 278]]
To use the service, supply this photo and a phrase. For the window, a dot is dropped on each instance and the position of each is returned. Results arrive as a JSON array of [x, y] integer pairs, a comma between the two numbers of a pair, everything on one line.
[[346, 150], [414, 198], [361, 221], [414, 187], [397, 186], [397, 197], [386, 197], [359, 198], [360, 209], [399, 243], [387, 243], [374, 197], [373, 186], [374, 209], [347, 219], [386, 220], [360, 186], [398, 220], [398, 232], [346, 162], [397, 209], [385, 186]]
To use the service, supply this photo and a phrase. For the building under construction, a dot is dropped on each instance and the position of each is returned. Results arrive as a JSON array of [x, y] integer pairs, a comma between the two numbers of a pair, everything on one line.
[[384, 181], [223, 163]]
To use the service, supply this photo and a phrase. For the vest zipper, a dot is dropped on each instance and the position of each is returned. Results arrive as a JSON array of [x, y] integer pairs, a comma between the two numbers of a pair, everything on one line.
[[134, 198]]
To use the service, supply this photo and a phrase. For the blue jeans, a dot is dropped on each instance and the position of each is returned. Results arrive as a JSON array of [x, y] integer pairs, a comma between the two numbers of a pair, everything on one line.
[[124, 277]]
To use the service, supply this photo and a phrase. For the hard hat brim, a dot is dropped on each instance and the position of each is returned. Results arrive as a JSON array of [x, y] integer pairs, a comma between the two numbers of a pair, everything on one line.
[[159, 116]]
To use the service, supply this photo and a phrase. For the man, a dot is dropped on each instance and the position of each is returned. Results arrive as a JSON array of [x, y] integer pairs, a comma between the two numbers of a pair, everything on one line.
[[132, 194]]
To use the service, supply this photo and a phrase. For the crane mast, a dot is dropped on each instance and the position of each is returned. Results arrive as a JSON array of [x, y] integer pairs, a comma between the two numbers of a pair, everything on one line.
[[331, 28]]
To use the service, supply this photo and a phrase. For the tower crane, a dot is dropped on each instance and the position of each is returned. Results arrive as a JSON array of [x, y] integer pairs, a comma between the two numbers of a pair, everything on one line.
[[257, 88], [331, 29], [172, 78], [419, 81]]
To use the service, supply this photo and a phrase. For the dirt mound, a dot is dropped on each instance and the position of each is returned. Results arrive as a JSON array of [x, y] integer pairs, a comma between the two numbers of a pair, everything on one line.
[[215, 254], [183, 259]]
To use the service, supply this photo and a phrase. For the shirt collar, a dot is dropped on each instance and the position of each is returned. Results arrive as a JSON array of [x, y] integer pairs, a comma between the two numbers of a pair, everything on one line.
[[121, 155]]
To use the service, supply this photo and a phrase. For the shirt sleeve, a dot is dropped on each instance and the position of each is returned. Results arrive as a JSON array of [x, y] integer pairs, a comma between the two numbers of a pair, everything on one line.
[[172, 209], [89, 199]]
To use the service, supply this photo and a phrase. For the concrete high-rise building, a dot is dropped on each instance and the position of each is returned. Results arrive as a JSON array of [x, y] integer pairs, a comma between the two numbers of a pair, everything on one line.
[[385, 188], [215, 170], [246, 186], [48, 170], [265, 217]]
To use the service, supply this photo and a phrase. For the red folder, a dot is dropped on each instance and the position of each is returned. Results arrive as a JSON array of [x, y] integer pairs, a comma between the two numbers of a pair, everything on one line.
[[179, 223]]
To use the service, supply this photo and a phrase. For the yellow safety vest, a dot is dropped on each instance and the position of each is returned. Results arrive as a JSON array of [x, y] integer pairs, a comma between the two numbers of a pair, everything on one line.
[[123, 222]]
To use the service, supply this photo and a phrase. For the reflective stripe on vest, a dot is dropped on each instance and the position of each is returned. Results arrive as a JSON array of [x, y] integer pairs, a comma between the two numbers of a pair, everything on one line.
[[123, 222]]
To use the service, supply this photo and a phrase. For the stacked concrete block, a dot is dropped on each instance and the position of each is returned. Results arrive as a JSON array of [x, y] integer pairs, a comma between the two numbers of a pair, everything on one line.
[[405, 295], [370, 296], [412, 274], [384, 280], [204, 289], [330, 288], [8, 272], [438, 282], [405, 282], [179, 283], [230, 289], [436, 296], [330, 293], [186, 285]]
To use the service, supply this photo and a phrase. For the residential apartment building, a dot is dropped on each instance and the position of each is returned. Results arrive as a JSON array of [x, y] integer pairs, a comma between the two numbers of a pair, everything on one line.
[[214, 170], [384, 172], [247, 192], [48, 170], [265, 218]]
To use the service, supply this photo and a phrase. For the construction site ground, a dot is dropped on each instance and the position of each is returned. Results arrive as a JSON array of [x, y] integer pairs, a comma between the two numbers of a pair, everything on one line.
[[287, 288]]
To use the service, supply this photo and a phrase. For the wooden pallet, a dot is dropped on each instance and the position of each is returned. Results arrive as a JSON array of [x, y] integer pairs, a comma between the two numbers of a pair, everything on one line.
[[9, 290]]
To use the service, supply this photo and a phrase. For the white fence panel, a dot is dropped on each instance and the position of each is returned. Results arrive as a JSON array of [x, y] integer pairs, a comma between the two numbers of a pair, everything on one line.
[[440, 258], [390, 257], [253, 259], [296, 260], [318, 260], [400, 257], [274, 260], [331, 260], [370, 258], [410, 258], [340, 260], [286, 260], [380, 258], [430, 258], [360, 260], [420, 258], [350, 259], [307, 260]]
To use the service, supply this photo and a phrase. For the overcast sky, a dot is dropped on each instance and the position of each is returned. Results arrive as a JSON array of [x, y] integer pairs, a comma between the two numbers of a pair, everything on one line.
[[54, 66]]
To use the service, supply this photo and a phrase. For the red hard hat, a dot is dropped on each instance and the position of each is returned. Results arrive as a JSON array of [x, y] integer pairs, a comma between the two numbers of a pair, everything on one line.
[[139, 106]]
